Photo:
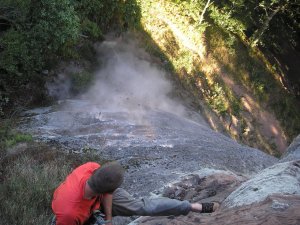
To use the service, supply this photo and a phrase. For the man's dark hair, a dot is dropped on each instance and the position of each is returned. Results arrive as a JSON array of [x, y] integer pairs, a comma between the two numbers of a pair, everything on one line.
[[107, 178]]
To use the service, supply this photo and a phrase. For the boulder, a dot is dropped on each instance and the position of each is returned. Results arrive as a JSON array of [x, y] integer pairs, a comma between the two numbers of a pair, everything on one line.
[[270, 198], [292, 152], [281, 178]]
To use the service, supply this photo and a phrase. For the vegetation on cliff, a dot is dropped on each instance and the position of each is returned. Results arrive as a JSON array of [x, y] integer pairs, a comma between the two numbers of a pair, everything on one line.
[[36, 35], [225, 54], [230, 55]]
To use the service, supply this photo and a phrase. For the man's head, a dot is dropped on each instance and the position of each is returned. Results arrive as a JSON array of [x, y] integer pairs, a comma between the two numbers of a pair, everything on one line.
[[107, 178]]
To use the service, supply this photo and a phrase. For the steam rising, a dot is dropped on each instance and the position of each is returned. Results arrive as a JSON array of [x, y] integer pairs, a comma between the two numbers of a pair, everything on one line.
[[128, 82]]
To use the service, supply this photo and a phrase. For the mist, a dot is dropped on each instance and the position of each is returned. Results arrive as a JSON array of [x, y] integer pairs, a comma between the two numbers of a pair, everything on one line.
[[128, 82]]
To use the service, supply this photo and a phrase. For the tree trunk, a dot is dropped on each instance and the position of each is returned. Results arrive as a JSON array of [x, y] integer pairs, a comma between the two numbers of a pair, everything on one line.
[[203, 12], [260, 31]]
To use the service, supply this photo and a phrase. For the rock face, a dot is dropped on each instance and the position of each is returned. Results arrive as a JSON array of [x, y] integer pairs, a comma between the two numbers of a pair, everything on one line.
[[272, 197], [293, 151], [282, 178], [274, 210], [207, 185]]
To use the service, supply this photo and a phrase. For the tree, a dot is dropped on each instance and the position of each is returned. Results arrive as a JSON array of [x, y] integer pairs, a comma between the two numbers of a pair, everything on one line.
[[42, 28], [271, 9], [203, 12]]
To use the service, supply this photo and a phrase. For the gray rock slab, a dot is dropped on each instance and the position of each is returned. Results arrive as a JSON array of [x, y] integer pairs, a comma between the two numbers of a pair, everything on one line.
[[281, 178], [292, 152], [275, 210], [156, 147]]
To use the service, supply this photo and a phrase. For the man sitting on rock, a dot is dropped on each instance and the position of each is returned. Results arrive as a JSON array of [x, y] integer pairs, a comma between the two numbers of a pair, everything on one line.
[[91, 187]]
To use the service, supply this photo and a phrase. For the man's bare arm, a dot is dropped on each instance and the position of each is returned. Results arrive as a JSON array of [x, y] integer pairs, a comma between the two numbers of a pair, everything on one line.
[[107, 206]]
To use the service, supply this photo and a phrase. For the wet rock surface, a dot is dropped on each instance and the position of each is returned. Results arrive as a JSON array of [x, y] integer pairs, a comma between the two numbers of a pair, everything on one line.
[[156, 148]]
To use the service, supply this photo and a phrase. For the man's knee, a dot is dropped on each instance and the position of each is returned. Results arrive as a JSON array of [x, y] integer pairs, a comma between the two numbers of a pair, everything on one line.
[[126, 205], [152, 206], [121, 193]]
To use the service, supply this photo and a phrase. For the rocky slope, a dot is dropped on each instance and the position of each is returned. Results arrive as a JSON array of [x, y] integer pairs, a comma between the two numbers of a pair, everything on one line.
[[270, 197], [129, 116], [156, 151], [178, 158]]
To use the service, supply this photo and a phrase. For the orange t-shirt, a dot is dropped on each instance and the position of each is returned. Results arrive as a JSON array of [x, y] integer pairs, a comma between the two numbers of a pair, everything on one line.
[[68, 204]]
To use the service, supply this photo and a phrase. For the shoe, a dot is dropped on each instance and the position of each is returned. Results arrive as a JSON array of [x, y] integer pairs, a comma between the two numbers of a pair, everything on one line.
[[209, 207]]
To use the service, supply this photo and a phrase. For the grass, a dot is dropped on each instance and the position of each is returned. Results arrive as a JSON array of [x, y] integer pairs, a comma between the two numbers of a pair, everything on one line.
[[30, 174], [28, 179], [9, 137], [29, 189], [17, 138]]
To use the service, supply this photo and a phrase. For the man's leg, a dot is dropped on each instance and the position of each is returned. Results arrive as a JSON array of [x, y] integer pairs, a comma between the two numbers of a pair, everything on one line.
[[125, 205]]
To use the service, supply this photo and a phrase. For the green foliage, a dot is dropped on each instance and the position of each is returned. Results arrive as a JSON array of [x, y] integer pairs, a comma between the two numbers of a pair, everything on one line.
[[130, 12], [268, 22], [185, 60], [53, 23], [39, 33], [15, 11], [106, 14], [44, 28], [99, 12], [90, 9], [235, 105], [10, 137], [91, 29], [3, 102], [15, 54], [225, 20], [217, 99], [259, 82], [4, 131], [17, 138], [80, 81], [288, 109]]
